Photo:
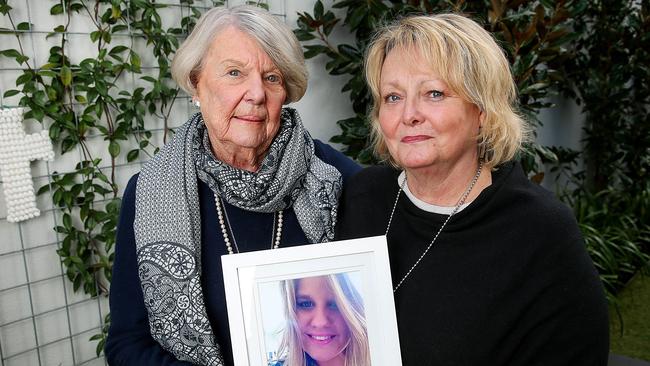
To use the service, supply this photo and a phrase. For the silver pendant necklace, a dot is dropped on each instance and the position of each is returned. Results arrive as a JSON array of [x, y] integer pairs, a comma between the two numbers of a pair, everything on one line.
[[275, 239], [461, 201]]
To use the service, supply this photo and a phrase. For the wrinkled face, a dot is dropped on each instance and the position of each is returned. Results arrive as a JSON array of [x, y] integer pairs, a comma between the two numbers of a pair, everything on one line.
[[422, 120], [323, 330], [241, 92]]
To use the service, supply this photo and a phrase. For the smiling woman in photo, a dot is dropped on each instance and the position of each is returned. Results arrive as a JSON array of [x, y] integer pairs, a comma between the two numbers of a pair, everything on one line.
[[326, 324]]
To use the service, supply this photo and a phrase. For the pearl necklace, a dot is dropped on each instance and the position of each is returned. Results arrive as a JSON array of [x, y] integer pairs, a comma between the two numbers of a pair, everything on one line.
[[461, 201], [275, 242]]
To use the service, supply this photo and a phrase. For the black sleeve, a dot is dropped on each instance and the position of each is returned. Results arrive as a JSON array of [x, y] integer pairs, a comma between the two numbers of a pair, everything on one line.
[[129, 339], [366, 201], [568, 321]]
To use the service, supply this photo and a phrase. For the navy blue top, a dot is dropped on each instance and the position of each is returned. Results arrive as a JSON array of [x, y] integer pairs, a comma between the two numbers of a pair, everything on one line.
[[129, 339]]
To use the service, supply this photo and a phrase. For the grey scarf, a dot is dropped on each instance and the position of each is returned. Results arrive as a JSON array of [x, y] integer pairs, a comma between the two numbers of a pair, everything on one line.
[[168, 225]]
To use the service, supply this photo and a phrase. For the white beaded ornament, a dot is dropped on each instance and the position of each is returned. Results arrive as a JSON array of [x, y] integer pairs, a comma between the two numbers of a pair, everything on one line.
[[17, 149]]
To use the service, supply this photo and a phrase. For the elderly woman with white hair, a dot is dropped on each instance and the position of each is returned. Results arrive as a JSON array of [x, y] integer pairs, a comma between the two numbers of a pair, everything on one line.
[[488, 268], [243, 174]]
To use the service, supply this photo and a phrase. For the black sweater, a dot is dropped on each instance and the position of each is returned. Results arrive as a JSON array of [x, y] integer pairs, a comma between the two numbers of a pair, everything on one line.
[[508, 282]]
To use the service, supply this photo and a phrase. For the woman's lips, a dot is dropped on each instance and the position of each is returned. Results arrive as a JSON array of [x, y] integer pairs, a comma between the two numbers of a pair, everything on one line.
[[249, 118], [320, 339], [416, 138]]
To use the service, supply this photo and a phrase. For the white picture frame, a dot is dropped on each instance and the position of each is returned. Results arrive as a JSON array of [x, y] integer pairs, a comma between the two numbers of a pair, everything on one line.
[[252, 308]]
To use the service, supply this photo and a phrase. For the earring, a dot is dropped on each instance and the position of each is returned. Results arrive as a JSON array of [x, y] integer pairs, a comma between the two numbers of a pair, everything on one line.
[[196, 103]]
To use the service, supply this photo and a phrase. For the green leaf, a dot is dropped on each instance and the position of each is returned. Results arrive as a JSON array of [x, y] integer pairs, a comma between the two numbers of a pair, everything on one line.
[[132, 155], [94, 36], [318, 10], [135, 60], [114, 149], [47, 73], [314, 50], [303, 35], [67, 221], [11, 53], [119, 28], [66, 75], [24, 78], [56, 9], [43, 189], [11, 93], [24, 26], [21, 59], [4, 8], [118, 49]]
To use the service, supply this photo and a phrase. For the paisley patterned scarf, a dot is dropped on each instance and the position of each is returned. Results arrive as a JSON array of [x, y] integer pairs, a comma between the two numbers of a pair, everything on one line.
[[290, 176]]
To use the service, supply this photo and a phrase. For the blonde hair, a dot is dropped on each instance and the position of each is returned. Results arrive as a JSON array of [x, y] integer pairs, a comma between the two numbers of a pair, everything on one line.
[[272, 35], [350, 305], [466, 58]]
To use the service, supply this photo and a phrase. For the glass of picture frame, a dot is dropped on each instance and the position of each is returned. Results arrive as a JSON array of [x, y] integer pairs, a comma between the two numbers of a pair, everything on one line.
[[270, 294]]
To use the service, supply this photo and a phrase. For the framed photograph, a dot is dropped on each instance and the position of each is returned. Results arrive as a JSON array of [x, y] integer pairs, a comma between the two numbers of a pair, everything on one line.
[[305, 305]]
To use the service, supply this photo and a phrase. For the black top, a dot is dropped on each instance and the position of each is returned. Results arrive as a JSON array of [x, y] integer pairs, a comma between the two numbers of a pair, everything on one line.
[[129, 339], [508, 282]]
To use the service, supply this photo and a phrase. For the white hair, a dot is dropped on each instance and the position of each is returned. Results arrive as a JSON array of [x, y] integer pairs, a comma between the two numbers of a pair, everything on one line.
[[272, 35]]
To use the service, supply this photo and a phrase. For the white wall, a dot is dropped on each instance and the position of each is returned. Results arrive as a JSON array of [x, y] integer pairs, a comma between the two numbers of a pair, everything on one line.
[[562, 126], [324, 103]]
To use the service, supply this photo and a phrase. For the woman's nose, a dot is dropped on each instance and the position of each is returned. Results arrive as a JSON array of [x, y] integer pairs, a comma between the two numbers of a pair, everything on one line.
[[255, 92], [411, 114], [320, 318]]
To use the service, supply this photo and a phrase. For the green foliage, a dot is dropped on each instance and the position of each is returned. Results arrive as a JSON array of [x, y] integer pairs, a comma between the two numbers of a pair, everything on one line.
[[101, 337], [533, 33], [81, 101], [613, 235], [609, 76], [86, 248]]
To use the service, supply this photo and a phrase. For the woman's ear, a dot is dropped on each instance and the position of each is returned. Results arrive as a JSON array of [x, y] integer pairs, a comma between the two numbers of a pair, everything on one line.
[[481, 118]]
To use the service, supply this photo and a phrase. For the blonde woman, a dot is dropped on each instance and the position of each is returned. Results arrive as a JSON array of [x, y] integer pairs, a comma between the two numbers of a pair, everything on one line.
[[488, 268], [326, 325]]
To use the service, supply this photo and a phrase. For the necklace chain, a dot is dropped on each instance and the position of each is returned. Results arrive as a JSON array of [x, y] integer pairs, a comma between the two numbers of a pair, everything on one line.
[[461, 201], [221, 213]]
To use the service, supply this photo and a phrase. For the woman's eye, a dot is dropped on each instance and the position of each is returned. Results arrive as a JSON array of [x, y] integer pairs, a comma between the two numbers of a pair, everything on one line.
[[273, 78], [332, 305], [436, 94], [391, 98], [304, 304], [234, 73]]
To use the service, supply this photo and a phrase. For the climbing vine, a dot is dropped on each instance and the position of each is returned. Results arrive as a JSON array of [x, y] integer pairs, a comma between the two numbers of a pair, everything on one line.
[[82, 103]]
